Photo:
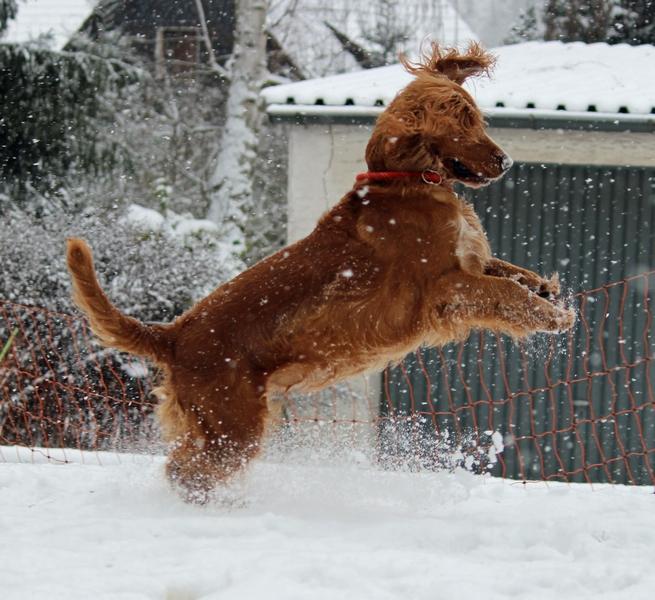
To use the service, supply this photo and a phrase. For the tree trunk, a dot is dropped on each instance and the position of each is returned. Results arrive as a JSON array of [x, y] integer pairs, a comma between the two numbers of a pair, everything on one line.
[[231, 182]]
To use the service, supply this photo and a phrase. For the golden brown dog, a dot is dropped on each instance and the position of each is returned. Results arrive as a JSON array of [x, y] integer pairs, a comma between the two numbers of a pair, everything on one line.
[[398, 263]]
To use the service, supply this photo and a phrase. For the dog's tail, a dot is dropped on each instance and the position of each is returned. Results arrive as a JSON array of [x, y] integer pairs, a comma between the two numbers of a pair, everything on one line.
[[112, 327]]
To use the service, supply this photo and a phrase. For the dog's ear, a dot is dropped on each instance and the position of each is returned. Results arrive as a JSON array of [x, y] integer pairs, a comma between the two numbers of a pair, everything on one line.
[[452, 63]]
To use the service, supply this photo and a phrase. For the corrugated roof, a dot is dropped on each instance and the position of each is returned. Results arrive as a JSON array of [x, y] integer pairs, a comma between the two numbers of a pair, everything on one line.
[[533, 76]]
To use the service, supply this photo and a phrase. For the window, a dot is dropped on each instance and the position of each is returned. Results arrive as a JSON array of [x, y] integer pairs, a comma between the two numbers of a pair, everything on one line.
[[177, 49]]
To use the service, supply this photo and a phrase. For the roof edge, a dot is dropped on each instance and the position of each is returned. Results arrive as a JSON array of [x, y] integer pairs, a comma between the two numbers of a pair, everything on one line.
[[527, 118]]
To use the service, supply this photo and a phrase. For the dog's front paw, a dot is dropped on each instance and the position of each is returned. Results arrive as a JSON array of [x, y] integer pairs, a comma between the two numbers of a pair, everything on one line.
[[560, 320], [567, 319], [549, 288]]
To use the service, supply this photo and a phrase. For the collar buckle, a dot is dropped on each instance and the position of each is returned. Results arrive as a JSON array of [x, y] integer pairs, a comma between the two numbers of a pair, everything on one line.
[[431, 177]]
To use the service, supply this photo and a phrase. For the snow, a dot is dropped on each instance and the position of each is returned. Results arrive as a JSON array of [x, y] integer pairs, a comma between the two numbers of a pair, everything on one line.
[[171, 223], [57, 18], [547, 75], [144, 218], [297, 529]]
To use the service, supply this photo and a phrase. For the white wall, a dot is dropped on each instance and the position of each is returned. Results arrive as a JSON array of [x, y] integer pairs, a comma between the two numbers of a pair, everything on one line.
[[324, 159], [323, 162]]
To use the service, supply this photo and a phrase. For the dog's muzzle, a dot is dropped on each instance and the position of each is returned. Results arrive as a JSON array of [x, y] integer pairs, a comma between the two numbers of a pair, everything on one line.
[[506, 162]]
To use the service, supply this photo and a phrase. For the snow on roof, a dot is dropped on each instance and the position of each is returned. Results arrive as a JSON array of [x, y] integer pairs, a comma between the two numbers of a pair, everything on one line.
[[59, 19], [300, 28], [545, 76]]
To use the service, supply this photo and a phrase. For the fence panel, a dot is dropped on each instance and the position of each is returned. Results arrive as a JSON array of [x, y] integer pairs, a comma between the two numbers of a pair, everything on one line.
[[577, 407], [60, 389]]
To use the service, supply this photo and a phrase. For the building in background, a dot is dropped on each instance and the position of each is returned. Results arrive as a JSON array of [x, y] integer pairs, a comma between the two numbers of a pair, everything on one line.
[[174, 35], [579, 122], [306, 38]]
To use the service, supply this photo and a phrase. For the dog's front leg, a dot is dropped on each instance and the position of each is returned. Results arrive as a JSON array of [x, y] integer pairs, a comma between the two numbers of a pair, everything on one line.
[[501, 304], [546, 288]]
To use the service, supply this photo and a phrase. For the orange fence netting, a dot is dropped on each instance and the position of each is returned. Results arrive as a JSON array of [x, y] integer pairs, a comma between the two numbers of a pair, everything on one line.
[[576, 407]]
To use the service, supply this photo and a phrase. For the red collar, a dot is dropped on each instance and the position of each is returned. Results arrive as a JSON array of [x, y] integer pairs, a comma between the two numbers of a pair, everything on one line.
[[427, 176]]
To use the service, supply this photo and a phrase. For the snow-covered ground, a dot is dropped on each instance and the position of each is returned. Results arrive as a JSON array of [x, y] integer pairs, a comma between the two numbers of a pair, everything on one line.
[[303, 529]]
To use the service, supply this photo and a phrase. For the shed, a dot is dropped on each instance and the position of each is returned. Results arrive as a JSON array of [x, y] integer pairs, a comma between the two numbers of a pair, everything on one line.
[[579, 122], [166, 31]]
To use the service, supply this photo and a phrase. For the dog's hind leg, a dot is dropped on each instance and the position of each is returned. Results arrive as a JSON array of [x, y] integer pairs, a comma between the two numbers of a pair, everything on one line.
[[218, 430], [196, 466]]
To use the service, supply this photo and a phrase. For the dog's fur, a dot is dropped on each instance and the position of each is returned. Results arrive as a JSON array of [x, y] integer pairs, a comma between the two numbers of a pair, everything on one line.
[[393, 266]]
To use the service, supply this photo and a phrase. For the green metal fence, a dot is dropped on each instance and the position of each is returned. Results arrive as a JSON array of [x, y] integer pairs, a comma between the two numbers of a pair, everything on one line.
[[577, 407]]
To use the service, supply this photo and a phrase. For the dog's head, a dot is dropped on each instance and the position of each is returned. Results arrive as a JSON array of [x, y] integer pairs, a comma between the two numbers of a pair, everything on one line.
[[435, 124]]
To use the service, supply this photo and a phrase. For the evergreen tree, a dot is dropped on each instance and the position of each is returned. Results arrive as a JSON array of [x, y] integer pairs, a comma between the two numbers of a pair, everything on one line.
[[612, 21], [50, 106], [578, 20], [634, 22]]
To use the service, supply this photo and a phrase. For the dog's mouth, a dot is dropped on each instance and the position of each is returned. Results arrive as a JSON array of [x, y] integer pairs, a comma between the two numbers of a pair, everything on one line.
[[462, 173]]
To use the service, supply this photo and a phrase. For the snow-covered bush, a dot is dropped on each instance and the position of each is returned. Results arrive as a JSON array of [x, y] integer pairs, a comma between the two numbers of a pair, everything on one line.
[[67, 390], [153, 266]]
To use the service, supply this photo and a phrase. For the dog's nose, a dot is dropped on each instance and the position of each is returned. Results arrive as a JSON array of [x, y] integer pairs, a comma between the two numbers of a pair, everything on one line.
[[505, 162]]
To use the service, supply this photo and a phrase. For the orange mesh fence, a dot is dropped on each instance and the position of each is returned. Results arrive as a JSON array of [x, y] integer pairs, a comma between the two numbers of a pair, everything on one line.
[[60, 389], [576, 407]]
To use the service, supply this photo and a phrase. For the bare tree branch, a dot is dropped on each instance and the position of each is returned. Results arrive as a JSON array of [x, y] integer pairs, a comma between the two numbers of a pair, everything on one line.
[[365, 58], [210, 48]]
